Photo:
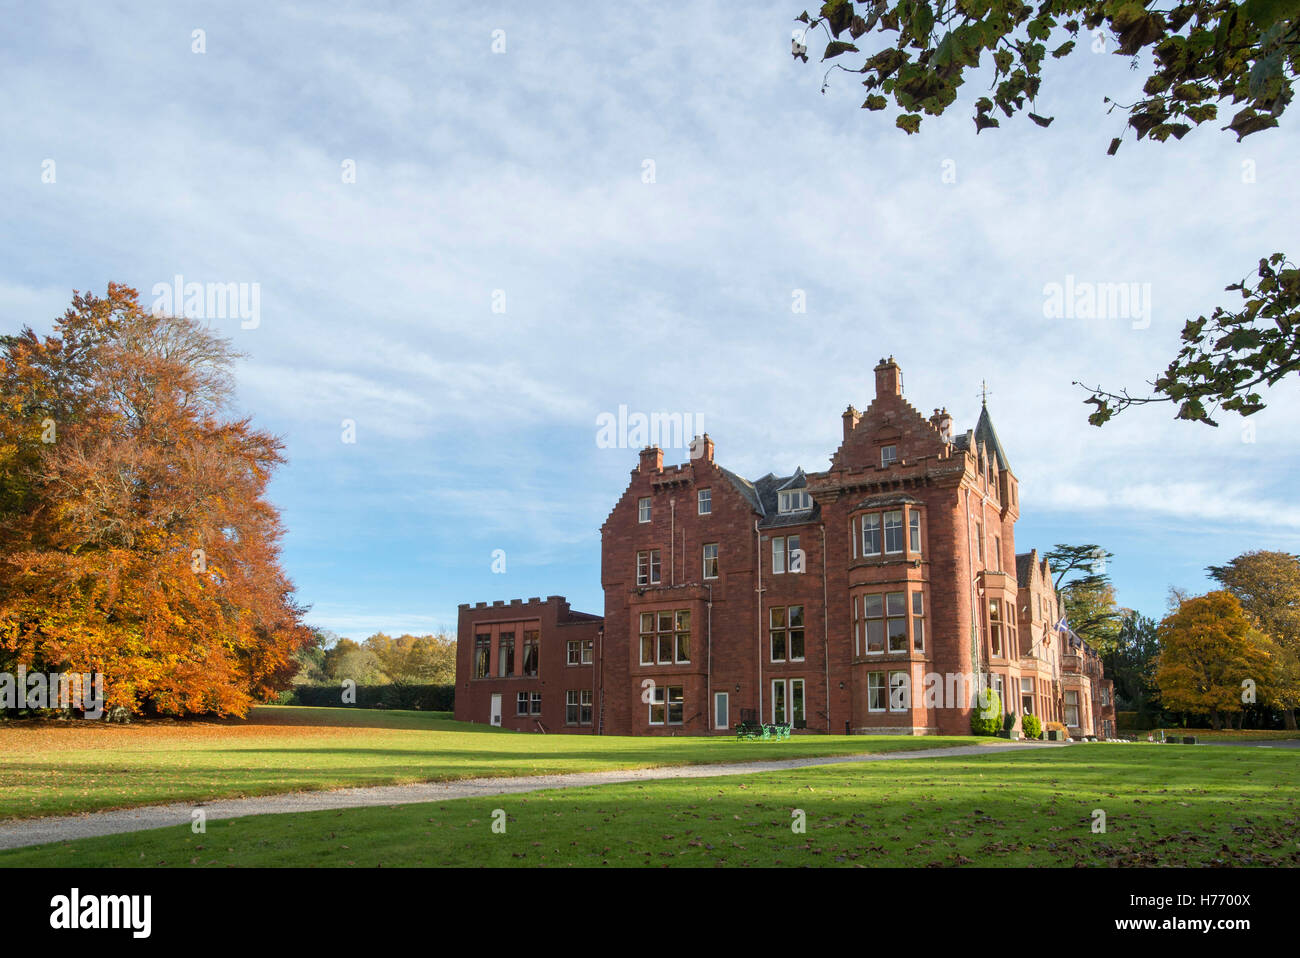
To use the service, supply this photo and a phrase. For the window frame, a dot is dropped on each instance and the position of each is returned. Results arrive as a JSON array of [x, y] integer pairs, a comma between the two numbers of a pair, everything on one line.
[[653, 568], [644, 510], [907, 683], [714, 559], [882, 689], [786, 630], [897, 531], [704, 502], [918, 620], [871, 522], [892, 617]]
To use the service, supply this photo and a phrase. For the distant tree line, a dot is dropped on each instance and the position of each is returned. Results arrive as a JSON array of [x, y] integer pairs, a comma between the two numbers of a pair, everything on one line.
[[381, 659]]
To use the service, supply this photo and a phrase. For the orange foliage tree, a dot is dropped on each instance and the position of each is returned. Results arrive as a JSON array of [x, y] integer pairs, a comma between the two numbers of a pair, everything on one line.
[[1208, 649], [136, 539]]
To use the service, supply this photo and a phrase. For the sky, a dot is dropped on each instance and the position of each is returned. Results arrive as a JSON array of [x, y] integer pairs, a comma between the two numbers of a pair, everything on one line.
[[471, 233]]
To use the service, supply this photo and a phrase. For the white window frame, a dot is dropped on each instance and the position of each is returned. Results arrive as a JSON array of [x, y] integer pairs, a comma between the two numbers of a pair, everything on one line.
[[883, 619], [914, 531], [792, 546], [521, 704], [644, 509], [883, 689], [659, 698], [778, 555], [653, 568], [888, 455], [704, 502], [898, 530], [890, 617], [907, 682], [871, 522], [707, 557], [778, 689], [793, 500], [857, 629]]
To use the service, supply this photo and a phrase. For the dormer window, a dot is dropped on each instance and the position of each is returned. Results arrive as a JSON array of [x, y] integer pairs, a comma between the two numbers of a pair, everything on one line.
[[794, 500], [888, 456]]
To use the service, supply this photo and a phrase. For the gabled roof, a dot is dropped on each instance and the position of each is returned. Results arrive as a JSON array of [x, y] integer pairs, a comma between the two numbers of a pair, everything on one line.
[[985, 433], [1024, 569], [745, 488], [762, 496]]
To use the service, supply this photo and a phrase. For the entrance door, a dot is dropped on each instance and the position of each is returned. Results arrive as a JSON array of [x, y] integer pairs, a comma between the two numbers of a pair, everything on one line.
[[496, 708], [721, 718]]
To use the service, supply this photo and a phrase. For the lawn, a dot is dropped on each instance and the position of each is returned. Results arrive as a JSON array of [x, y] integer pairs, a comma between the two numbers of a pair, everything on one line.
[[1164, 806], [52, 768]]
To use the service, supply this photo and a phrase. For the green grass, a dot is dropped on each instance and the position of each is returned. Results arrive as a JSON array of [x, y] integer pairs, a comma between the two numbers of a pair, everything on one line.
[[1164, 806], [55, 768]]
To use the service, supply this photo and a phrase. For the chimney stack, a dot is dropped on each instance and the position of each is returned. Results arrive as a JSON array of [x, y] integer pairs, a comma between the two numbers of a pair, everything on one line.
[[652, 459], [851, 419], [889, 379], [942, 422], [702, 448]]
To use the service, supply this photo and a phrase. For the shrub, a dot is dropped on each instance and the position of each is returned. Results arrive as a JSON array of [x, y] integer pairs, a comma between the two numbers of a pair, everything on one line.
[[420, 698], [1032, 726], [989, 704]]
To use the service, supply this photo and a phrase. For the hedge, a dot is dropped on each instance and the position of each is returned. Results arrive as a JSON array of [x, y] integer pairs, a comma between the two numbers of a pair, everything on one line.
[[420, 698]]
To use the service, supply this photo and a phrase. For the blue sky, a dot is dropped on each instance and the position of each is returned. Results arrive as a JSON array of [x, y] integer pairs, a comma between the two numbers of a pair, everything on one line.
[[520, 175]]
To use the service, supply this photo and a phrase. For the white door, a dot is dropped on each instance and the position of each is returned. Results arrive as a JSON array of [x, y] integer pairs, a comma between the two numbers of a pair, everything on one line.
[[496, 708]]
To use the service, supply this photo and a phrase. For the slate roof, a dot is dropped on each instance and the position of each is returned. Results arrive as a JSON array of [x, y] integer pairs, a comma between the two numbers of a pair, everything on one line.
[[985, 433], [1024, 569], [761, 494]]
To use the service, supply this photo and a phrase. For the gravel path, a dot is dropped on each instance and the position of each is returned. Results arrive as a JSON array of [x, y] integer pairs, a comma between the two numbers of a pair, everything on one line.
[[38, 831]]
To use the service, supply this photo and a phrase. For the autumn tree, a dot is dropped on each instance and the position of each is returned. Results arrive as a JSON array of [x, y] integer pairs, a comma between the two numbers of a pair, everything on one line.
[[136, 539], [1087, 593], [1210, 656], [1268, 586], [1194, 57]]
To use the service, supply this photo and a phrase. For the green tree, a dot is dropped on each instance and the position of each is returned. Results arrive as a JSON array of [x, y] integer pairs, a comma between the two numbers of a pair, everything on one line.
[[351, 660], [1087, 593], [1195, 54], [1130, 661]]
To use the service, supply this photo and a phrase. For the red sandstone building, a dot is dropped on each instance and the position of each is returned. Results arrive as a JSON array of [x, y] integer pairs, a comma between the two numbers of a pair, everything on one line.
[[876, 596]]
